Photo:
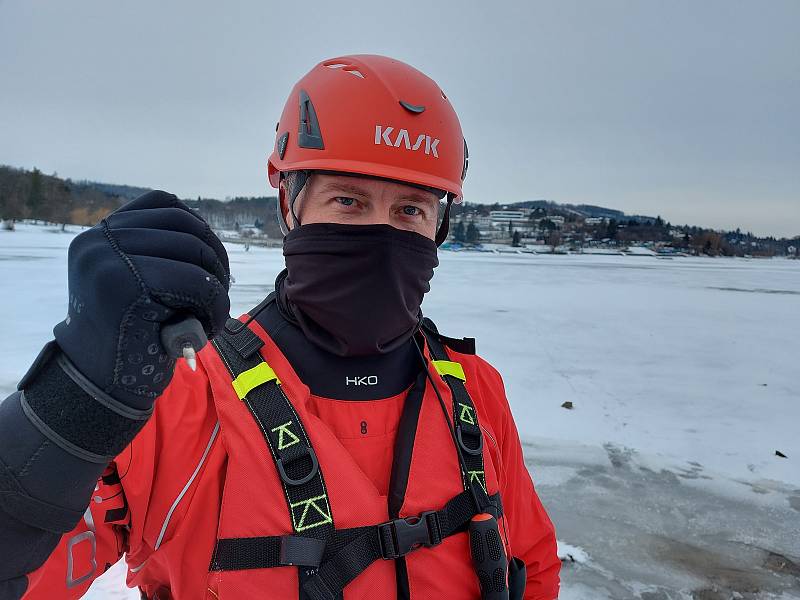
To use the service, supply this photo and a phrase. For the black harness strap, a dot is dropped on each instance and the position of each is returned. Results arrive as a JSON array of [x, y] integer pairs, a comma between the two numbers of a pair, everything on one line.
[[303, 484], [467, 429], [237, 554], [348, 552], [392, 540], [328, 558]]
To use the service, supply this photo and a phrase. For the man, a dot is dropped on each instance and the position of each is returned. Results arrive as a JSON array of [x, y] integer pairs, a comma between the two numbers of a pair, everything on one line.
[[331, 443]]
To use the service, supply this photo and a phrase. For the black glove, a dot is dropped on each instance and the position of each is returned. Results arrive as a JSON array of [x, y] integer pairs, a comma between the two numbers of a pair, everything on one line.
[[151, 261]]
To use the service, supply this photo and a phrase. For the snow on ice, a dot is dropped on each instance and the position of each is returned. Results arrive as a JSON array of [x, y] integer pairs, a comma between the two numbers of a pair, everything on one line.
[[663, 480]]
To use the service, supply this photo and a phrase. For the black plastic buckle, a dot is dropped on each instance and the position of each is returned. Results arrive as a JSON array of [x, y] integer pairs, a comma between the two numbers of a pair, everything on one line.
[[410, 533], [282, 463]]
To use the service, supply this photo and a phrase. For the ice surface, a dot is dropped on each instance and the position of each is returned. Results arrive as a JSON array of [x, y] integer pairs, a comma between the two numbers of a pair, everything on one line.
[[688, 359], [683, 375]]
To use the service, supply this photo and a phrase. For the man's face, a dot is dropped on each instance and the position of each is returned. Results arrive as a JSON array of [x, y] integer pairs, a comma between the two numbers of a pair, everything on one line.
[[364, 201]]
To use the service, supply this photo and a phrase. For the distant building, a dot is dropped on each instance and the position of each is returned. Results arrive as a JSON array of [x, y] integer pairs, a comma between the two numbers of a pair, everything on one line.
[[594, 220], [502, 217], [481, 222], [555, 219]]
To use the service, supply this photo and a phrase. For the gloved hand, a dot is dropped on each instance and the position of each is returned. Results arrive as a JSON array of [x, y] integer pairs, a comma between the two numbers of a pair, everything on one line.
[[151, 261]]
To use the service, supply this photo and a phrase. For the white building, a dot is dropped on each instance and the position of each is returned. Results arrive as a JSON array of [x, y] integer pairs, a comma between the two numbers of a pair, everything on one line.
[[500, 218]]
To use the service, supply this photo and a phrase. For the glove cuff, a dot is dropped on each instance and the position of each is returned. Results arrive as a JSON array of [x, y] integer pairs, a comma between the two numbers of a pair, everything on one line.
[[74, 413]]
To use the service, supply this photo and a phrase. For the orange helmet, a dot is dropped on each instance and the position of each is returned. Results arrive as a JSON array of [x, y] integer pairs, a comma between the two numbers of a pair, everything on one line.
[[375, 116]]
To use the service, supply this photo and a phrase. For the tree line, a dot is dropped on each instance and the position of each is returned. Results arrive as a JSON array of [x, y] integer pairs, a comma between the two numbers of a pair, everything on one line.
[[34, 195]]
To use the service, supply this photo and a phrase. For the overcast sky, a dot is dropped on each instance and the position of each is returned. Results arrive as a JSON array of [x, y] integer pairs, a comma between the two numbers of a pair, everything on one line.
[[690, 110]]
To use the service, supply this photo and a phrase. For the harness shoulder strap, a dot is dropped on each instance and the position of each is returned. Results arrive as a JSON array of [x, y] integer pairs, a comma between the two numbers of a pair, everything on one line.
[[257, 385], [465, 417], [462, 345]]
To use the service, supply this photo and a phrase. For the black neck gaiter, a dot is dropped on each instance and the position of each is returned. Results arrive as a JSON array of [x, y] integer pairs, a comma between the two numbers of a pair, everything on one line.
[[356, 290]]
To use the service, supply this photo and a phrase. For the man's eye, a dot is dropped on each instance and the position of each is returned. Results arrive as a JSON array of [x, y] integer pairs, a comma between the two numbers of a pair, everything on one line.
[[412, 210], [345, 201]]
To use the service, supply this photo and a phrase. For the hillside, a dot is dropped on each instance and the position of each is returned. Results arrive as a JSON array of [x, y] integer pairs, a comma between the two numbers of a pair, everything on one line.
[[255, 212], [34, 195]]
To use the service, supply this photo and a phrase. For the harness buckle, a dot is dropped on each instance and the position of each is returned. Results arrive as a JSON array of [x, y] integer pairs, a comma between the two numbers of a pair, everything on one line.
[[401, 536]]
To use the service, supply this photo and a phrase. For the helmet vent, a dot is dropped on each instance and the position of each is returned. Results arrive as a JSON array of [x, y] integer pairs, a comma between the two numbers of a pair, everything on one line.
[[346, 67], [309, 134], [412, 108]]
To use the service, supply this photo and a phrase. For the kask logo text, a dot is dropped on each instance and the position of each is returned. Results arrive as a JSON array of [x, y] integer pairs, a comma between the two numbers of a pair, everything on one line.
[[383, 135]]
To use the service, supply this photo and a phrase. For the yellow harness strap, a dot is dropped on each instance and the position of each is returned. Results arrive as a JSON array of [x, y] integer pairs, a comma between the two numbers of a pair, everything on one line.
[[448, 367], [252, 378]]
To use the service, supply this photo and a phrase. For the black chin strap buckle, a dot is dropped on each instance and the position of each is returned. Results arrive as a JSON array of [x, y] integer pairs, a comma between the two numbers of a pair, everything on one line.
[[401, 536]]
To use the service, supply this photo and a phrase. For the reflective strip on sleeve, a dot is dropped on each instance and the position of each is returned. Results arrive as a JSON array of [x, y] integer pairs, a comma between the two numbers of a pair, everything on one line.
[[252, 378], [448, 367]]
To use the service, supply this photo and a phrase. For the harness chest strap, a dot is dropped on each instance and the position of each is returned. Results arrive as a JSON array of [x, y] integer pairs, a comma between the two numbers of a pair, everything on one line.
[[330, 558], [349, 551]]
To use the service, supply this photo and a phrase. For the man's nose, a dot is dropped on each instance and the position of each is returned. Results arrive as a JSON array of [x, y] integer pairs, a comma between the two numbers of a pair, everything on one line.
[[381, 218]]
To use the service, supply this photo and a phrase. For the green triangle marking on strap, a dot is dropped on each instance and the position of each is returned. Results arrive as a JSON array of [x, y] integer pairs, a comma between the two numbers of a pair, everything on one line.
[[467, 414], [313, 512], [286, 437], [478, 476], [449, 367], [252, 378]]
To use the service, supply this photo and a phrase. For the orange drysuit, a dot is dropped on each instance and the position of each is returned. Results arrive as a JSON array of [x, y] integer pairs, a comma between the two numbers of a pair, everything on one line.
[[200, 470]]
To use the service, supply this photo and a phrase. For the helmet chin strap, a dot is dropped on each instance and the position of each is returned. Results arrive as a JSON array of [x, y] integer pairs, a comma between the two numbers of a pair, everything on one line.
[[302, 180], [444, 227], [300, 183]]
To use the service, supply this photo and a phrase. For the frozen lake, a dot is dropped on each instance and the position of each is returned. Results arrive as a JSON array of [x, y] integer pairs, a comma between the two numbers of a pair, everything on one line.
[[683, 376]]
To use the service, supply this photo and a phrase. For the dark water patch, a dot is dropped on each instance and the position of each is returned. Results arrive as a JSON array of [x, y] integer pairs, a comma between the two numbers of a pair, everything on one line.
[[657, 595], [724, 573], [709, 594], [782, 565]]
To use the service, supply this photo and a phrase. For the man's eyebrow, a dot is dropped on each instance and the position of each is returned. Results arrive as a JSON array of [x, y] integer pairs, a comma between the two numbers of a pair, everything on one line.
[[347, 188], [419, 197], [352, 188]]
